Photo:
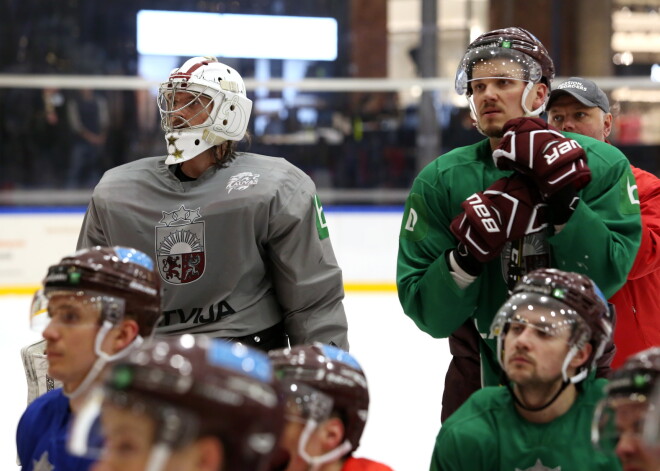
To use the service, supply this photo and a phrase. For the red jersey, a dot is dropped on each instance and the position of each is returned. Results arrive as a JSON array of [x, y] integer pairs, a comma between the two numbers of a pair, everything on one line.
[[363, 464], [638, 302]]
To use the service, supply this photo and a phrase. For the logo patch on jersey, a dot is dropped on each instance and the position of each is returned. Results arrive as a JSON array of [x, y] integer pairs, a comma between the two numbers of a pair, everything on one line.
[[321, 223], [180, 246], [242, 181], [629, 196], [414, 225]]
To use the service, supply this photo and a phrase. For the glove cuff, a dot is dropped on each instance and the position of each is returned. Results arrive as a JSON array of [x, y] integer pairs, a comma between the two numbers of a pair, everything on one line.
[[465, 260], [562, 205]]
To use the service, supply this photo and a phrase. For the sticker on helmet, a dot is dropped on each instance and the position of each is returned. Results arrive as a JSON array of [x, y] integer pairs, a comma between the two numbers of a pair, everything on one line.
[[135, 256], [240, 358], [337, 354]]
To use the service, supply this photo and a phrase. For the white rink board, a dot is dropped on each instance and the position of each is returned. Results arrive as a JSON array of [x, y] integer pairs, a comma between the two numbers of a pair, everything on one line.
[[30, 242], [365, 243]]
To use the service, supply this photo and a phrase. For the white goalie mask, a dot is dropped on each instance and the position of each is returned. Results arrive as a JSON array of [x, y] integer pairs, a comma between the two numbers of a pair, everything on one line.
[[202, 104]]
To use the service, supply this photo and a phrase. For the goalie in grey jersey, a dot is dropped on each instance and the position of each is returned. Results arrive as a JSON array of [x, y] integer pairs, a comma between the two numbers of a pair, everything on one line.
[[240, 239]]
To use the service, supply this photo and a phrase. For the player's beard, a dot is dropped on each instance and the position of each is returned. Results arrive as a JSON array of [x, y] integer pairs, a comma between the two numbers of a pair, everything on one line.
[[493, 131], [527, 385]]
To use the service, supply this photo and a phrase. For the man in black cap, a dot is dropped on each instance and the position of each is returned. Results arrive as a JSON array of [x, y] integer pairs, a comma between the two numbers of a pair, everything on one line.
[[578, 105]]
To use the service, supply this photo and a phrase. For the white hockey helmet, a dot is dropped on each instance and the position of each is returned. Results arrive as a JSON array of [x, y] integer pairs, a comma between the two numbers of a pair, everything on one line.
[[217, 93]]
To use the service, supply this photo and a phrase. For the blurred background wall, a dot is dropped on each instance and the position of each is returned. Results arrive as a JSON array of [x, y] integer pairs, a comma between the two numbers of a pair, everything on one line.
[[361, 124]]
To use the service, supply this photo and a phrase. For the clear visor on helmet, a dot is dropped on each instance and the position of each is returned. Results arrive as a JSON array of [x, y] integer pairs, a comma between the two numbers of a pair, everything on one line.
[[493, 62], [651, 433], [304, 402], [618, 416], [183, 105], [74, 309], [543, 313], [125, 428]]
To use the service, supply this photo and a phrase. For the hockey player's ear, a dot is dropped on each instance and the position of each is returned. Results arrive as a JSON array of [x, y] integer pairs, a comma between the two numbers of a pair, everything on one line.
[[582, 356], [540, 94], [210, 454], [122, 335], [332, 433]]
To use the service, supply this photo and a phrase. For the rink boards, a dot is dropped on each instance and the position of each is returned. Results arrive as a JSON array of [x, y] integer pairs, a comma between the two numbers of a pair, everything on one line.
[[364, 239]]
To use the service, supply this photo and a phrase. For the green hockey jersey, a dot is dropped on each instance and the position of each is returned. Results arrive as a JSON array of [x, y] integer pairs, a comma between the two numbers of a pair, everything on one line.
[[600, 240]]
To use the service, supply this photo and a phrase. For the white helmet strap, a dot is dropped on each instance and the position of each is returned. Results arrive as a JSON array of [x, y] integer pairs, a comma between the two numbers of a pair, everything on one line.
[[102, 358], [315, 462], [564, 369], [537, 111], [160, 453]]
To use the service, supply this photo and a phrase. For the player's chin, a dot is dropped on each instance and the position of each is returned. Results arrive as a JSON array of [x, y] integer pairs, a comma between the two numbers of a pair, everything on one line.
[[492, 129], [517, 371], [55, 371]]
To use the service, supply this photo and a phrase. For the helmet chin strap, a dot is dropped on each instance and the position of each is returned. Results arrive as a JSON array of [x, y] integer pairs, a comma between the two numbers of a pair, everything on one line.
[[102, 359], [528, 113], [473, 115], [564, 369], [315, 462], [564, 385], [160, 453]]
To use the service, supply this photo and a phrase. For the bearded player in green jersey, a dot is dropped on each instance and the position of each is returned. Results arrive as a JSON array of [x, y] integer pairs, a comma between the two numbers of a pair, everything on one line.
[[550, 333]]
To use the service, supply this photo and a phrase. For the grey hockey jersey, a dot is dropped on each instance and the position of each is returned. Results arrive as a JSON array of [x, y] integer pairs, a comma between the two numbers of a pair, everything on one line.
[[239, 249]]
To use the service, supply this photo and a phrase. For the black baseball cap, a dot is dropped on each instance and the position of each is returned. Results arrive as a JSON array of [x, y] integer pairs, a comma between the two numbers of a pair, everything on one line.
[[583, 90]]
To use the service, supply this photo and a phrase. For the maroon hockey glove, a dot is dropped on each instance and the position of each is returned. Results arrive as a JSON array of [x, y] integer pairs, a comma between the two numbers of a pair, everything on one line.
[[507, 210], [532, 147]]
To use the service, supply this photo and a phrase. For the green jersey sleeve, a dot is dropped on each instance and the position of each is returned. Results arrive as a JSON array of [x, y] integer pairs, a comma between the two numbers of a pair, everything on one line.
[[602, 237], [427, 291]]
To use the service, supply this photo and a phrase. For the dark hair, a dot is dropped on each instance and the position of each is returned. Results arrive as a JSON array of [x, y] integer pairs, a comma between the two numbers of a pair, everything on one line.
[[230, 150]]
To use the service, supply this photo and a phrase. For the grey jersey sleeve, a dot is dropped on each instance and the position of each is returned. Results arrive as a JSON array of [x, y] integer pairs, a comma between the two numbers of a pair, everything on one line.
[[91, 232], [305, 273]]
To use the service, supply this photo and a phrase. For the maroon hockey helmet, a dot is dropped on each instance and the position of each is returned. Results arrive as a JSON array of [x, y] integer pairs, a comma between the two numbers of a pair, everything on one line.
[[122, 272], [637, 376], [513, 42], [332, 372], [630, 392], [577, 304], [194, 387]]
